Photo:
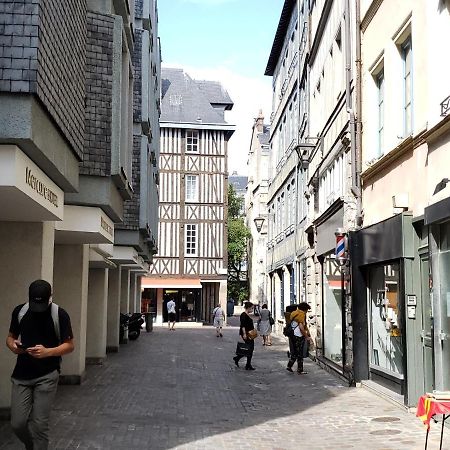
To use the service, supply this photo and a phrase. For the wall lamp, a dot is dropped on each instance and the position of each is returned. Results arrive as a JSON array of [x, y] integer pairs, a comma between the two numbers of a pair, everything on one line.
[[259, 221]]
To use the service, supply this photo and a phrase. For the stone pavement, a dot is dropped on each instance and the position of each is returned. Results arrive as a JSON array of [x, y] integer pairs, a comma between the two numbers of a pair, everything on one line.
[[181, 390]]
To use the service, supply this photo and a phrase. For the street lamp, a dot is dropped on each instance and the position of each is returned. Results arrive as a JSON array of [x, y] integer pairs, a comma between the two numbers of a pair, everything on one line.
[[259, 223]]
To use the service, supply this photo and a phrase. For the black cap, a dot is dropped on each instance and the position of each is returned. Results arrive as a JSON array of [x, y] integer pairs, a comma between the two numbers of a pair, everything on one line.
[[39, 294]]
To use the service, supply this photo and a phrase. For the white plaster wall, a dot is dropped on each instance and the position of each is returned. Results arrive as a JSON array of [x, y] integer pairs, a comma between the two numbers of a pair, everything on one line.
[[380, 48], [418, 172], [26, 254]]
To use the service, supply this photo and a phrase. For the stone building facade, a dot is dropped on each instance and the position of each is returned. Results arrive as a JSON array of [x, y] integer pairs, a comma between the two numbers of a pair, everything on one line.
[[313, 187], [256, 209], [66, 165]]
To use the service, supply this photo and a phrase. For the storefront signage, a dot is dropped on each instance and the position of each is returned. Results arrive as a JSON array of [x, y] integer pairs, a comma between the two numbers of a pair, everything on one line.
[[39, 186], [106, 226], [84, 225], [27, 193]]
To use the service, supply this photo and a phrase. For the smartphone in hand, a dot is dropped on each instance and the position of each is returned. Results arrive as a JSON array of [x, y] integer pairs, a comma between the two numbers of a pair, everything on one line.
[[20, 345]]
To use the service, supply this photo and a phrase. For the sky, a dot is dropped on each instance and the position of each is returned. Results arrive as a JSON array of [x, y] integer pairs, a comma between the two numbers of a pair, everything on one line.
[[227, 41]]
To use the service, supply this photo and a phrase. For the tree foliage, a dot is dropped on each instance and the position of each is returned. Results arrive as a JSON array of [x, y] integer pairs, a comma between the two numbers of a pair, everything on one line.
[[238, 236]]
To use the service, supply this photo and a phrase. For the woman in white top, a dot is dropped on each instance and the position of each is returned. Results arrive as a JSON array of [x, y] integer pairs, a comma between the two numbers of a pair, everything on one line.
[[265, 328], [218, 318]]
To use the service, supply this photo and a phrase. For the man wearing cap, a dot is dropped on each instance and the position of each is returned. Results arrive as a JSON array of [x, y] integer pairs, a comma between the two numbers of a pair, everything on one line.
[[39, 351]]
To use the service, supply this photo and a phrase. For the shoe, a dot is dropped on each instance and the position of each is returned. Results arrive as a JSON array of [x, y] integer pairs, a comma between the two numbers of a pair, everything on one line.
[[290, 369], [236, 361], [268, 345], [221, 335], [249, 368], [301, 372]]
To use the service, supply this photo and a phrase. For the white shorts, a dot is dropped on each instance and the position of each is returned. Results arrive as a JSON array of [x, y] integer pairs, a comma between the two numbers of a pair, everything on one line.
[[218, 322]]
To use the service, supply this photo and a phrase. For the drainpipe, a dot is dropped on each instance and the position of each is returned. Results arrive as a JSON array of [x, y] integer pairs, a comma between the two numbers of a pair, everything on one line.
[[358, 93], [355, 188]]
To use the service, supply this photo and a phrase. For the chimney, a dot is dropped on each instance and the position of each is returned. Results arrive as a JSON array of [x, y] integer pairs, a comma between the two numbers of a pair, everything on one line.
[[259, 122]]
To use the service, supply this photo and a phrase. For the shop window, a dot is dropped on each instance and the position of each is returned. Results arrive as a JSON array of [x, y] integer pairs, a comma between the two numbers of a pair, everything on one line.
[[386, 334], [332, 309]]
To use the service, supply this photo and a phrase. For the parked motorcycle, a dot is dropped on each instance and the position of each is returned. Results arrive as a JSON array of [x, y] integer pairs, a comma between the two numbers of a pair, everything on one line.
[[133, 323]]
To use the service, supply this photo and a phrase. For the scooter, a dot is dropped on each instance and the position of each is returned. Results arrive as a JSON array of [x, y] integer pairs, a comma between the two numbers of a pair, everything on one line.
[[133, 323]]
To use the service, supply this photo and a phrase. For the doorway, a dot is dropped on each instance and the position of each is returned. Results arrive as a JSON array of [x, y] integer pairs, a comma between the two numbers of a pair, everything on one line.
[[187, 304], [427, 326]]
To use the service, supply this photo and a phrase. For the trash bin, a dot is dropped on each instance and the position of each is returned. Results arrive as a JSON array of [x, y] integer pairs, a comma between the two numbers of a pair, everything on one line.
[[230, 308], [148, 322]]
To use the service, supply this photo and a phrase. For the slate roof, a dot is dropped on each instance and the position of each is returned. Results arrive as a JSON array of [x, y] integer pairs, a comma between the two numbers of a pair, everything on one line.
[[185, 100], [215, 92], [239, 183], [278, 41]]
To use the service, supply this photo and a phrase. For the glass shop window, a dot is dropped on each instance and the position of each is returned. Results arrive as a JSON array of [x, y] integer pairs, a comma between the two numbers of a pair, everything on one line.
[[386, 332]]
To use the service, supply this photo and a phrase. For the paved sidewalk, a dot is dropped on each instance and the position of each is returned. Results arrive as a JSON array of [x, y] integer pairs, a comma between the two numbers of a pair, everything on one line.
[[181, 390]]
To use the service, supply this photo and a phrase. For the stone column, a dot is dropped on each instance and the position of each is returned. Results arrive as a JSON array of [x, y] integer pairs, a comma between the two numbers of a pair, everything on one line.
[[125, 298], [125, 291], [71, 274], [97, 316], [113, 310], [132, 299], [26, 251], [138, 293]]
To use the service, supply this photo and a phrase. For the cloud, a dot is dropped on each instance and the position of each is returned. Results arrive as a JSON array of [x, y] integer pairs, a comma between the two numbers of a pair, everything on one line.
[[249, 94]]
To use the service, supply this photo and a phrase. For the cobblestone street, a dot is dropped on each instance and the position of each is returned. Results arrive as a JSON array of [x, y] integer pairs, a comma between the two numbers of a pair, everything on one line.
[[181, 390]]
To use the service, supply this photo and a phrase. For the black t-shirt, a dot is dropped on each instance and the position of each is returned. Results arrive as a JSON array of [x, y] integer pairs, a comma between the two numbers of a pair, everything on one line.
[[38, 328], [246, 322]]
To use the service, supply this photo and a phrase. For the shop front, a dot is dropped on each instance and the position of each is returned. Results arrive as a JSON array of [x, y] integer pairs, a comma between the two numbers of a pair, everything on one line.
[[185, 292], [332, 325], [389, 293], [187, 303], [437, 217]]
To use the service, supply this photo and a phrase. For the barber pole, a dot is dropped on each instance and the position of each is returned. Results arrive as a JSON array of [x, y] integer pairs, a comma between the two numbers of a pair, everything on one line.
[[341, 246]]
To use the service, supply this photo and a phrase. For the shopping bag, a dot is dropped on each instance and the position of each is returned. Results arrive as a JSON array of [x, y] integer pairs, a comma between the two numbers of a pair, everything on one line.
[[242, 349]]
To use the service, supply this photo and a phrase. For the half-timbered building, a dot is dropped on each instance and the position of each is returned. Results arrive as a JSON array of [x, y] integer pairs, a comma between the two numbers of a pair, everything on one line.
[[190, 266]]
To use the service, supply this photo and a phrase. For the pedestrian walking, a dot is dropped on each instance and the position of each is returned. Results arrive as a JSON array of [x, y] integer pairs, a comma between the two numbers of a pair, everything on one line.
[[45, 335], [248, 333], [172, 314], [264, 325], [287, 318], [218, 318], [300, 337]]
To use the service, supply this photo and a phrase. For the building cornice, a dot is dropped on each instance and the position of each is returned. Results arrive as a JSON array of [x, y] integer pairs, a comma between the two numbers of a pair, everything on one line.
[[370, 14], [320, 29]]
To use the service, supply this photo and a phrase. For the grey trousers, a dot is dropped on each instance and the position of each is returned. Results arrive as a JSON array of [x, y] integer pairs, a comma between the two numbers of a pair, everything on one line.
[[31, 402]]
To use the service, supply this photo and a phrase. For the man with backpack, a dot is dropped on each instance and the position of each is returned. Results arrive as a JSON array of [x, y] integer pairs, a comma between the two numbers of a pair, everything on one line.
[[299, 336], [39, 334]]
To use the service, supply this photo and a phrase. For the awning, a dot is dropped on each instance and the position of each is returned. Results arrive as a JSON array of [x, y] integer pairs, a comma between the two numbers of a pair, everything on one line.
[[171, 283]]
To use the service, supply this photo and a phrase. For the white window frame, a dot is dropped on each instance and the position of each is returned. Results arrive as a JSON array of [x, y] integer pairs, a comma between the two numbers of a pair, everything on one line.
[[191, 188], [192, 141], [407, 56], [380, 106], [190, 240]]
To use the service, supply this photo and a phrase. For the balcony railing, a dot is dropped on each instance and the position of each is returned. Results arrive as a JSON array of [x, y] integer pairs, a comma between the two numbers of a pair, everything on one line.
[[445, 107]]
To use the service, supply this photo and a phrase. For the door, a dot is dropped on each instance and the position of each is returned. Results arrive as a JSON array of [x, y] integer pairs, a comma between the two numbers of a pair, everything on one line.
[[427, 326]]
